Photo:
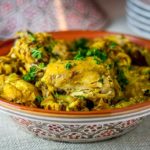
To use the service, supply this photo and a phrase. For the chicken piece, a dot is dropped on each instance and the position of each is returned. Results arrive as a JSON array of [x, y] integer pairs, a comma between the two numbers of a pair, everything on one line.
[[138, 82], [64, 102], [32, 48], [114, 47], [13, 88], [8, 65], [79, 79]]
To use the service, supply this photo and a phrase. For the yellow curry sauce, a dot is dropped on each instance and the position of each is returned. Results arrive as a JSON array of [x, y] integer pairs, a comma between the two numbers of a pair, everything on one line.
[[80, 75]]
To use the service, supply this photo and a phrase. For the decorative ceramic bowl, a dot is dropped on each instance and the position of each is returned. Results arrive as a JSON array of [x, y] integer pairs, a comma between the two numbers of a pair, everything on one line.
[[76, 126]]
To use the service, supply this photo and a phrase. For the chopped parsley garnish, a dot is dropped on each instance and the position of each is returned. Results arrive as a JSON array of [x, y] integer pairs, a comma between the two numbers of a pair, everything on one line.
[[68, 66], [80, 97], [39, 99], [36, 53], [31, 36], [113, 45], [50, 47], [122, 80], [99, 55], [41, 65], [97, 60], [147, 93], [56, 94], [89, 53], [80, 54], [30, 76], [79, 44]]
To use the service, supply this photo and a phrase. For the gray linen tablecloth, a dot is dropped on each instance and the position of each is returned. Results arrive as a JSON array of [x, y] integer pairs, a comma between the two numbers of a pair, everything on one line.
[[13, 138]]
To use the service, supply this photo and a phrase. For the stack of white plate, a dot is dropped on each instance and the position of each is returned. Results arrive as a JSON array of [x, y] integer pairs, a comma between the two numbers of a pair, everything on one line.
[[138, 16]]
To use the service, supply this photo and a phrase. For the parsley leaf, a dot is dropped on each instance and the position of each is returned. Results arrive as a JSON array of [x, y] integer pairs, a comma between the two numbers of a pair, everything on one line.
[[79, 44], [101, 54], [97, 53], [68, 66], [81, 97], [50, 47], [30, 76], [39, 99], [98, 61], [80, 55], [113, 45], [41, 65], [122, 80], [36, 53], [31, 36]]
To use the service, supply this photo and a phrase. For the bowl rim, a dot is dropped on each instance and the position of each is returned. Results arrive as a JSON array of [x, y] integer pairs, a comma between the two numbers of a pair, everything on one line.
[[136, 108]]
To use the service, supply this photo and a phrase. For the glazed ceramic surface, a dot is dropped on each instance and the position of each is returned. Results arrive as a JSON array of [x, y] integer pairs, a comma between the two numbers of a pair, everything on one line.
[[76, 126], [81, 132]]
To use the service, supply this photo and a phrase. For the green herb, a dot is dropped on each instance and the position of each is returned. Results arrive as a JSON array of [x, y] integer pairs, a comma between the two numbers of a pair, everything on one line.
[[79, 44], [36, 53], [41, 65], [89, 53], [97, 60], [102, 55], [97, 54], [147, 93], [80, 97], [56, 94], [27, 77], [39, 99], [30, 76], [68, 66], [80, 54], [50, 47], [113, 45], [122, 80], [31, 36]]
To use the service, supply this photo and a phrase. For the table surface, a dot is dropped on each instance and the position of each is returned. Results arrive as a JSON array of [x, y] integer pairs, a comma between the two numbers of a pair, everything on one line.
[[13, 138]]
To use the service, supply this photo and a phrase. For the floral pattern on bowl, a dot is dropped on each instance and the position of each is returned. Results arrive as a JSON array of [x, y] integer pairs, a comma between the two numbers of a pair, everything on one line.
[[77, 133]]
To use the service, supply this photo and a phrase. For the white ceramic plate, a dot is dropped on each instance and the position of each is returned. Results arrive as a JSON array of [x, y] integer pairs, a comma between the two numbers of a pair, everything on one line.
[[138, 10], [144, 4], [139, 31], [138, 24], [137, 17]]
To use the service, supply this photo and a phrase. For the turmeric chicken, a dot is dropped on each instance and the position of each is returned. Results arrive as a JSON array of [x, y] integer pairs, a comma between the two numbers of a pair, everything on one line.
[[8, 65], [92, 83], [80, 75], [36, 49], [15, 89]]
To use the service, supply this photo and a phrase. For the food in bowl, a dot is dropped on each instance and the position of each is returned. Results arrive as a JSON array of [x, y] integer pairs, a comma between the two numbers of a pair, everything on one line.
[[80, 75], [69, 126]]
